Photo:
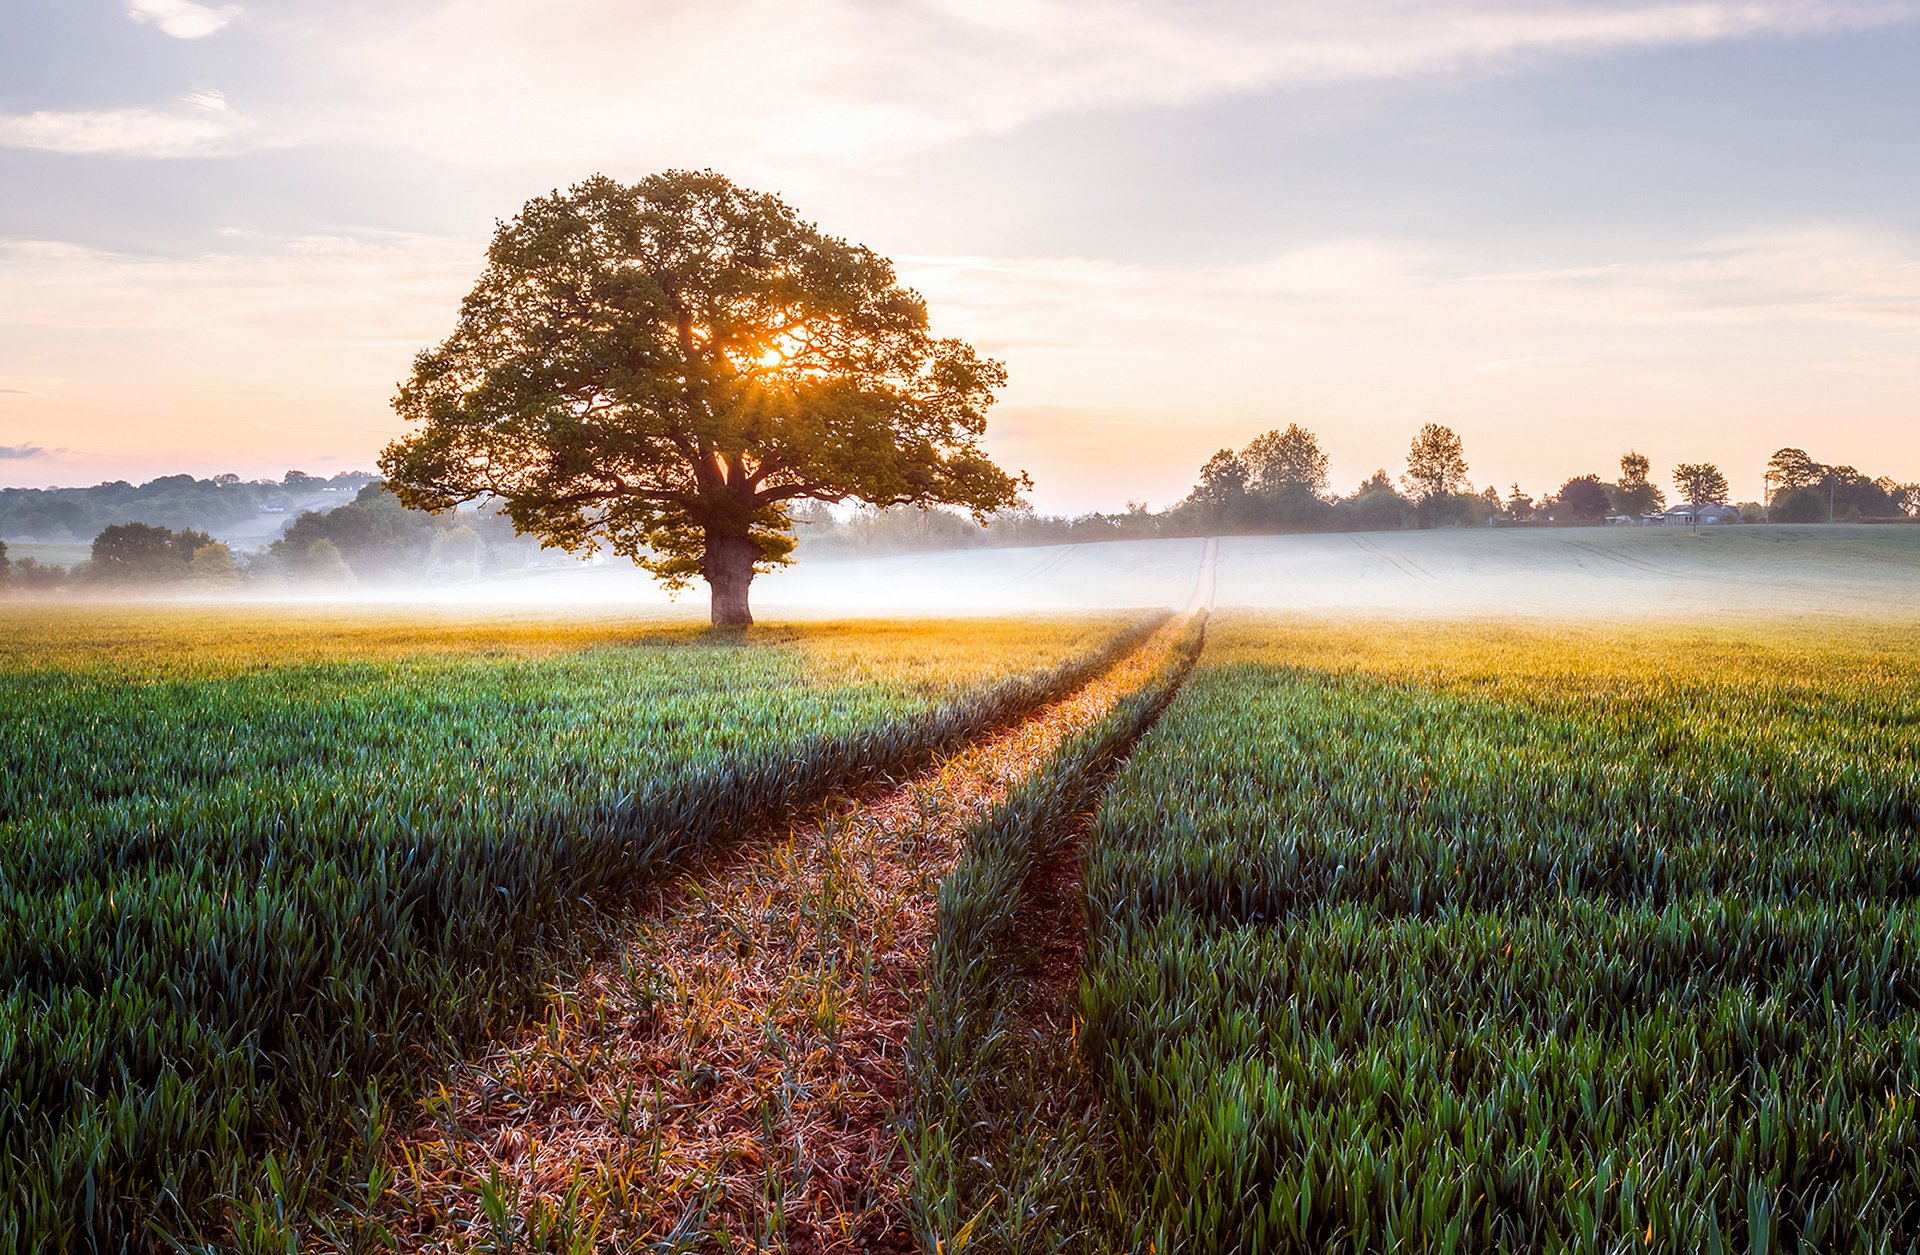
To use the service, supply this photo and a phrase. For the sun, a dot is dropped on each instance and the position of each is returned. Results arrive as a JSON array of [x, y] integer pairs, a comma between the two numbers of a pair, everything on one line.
[[780, 351]]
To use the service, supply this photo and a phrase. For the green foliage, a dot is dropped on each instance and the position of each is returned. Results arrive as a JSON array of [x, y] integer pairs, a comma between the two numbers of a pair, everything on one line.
[[1377, 506], [1791, 470], [233, 897], [1800, 505], [1635, 494], [140, 553], [663, 366], [213, 566], [1584, 498], [1286, 464], [6, 567], [1700, 483], [1436, 464], [1474, 938]]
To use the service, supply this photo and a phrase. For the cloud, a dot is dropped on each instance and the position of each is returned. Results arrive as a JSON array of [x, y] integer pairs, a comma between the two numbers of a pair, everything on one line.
[[206, 129], [12, 451], [1124, 377], [182, 19], [769, 85], [1699, 351]]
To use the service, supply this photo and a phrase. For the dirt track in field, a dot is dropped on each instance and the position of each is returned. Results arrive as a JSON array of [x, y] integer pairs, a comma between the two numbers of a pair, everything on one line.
[[725, 1075]]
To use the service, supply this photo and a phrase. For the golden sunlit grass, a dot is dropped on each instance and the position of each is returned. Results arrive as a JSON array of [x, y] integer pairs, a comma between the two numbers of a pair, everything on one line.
[[220, 638], [246, 903], [726, 1074]]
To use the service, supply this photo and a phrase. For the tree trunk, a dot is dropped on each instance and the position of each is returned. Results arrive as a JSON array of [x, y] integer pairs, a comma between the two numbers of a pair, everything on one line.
[[729, 571]]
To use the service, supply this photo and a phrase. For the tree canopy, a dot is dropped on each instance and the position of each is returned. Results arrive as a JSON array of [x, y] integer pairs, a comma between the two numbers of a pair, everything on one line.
[[1636, 493], [1287, 462], [1436, 463], [1584, 497], [139, 553], [662, 367], [1700, 483]]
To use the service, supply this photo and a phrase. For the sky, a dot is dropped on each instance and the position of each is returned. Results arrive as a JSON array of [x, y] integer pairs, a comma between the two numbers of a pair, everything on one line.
[[1565, 229]]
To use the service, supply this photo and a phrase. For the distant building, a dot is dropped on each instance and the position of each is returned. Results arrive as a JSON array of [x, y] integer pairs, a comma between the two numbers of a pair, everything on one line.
[[1690, 514]]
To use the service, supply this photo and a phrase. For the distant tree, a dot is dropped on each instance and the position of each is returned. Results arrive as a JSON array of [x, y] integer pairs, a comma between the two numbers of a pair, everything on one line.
[[1287, 478], [1218, 501], [1377, 506], [141, 553], [1635, 493], [1484, 507], [1436, 463], [1583, 499], [458, 549], [1800, 505], [30, 576], [1280, 461], [321, 562], [1791, 470], [663, 367], [1855, 496], [213, 564], [6, 567], [1519, 505], [374, 534], [1700, 483]]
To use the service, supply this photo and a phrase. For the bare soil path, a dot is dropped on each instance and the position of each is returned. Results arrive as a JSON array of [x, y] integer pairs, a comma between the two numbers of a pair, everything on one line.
[[725, 1075]]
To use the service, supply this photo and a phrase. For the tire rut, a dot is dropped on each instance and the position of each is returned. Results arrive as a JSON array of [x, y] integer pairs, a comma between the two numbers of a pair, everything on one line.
[[727, 1071]]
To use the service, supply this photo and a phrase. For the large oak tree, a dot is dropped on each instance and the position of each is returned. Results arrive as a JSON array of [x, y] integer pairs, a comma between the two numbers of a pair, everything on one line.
[[662, 367]]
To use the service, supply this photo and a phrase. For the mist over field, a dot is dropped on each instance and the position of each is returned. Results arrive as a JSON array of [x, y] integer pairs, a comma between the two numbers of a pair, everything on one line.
[[1578, 573]]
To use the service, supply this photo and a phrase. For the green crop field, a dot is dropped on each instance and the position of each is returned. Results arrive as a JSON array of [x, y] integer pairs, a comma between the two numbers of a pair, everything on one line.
[[1467, 936], [253, 862], [1418, 925]]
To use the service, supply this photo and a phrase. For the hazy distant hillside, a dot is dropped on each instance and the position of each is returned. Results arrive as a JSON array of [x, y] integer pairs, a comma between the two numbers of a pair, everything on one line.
[[241, 512]]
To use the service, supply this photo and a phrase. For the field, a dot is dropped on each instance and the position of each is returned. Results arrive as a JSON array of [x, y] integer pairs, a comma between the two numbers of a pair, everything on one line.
[[1454, 937], [1524, 891], [253, 864]]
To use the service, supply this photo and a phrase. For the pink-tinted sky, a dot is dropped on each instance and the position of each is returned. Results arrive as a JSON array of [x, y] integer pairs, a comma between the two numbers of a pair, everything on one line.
[[1563, 228]]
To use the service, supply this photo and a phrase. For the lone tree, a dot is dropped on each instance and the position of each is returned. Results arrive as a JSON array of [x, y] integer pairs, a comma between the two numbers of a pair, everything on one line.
[[1700, 483], [662, 367], [1436, 463]]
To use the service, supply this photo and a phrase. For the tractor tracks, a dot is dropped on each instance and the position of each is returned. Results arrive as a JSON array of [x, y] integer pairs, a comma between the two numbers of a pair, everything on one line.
[[1405, 565], [727, 1071]]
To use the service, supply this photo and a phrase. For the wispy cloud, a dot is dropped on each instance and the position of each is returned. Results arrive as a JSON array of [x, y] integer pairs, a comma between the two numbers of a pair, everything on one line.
[[14, 451], [782, 84], [1124, 376], [183, 19], [1727, 344], [206, 127]]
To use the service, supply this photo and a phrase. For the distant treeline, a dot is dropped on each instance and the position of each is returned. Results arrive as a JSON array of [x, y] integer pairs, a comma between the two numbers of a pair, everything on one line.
[[67, 515], [1279, 483], [370, 539], [161, 534]]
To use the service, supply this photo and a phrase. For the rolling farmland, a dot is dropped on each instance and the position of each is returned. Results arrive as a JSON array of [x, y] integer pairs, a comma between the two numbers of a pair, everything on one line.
[[1442, 891], [1455, 937], [249, 871]]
